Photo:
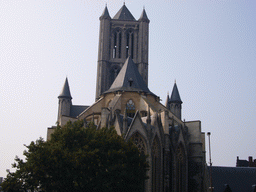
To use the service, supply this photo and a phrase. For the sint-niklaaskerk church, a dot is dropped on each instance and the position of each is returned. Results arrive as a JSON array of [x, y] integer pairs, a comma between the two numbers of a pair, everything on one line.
[[175, 148]]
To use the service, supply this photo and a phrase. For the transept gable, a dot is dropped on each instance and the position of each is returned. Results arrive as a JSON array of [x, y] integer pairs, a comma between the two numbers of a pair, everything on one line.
[[136, 125]]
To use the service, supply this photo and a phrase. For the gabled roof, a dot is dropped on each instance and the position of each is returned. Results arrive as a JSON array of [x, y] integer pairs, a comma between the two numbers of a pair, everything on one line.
[[105, 14], [129, 79], [124, 14], [175, 97], [76, 110], [144, 16], [65, 93], [238, 178]]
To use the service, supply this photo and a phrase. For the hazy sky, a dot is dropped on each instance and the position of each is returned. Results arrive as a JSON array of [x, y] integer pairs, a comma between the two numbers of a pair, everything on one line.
[[208, 46]]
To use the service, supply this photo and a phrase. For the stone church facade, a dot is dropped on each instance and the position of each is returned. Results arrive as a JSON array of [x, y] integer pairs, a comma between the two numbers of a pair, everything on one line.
[[175, 148]]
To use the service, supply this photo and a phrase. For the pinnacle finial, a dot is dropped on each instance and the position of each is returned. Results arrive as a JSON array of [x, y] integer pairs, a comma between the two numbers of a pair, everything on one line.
[[175, 81], [124, 2]]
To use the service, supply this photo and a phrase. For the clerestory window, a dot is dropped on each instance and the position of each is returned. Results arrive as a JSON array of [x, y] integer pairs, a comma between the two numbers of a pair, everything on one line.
[[130, 108]]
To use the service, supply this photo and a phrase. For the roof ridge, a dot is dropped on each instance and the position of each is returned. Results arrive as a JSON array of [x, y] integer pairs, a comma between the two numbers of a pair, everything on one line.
[[129, 79], [124, 14]]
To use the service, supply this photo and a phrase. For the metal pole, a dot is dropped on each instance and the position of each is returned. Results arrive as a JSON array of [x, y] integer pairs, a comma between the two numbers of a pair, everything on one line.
[[209, 134]]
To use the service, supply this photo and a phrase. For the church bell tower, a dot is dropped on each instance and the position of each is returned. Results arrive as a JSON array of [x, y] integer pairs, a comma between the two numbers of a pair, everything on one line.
[[120, 37]]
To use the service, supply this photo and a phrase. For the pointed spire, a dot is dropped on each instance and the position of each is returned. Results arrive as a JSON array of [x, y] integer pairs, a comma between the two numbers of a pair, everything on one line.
[[167, 104], [175, 97], [105, 14], [65, 93], [144, 16], [124, 14], [129, 79]]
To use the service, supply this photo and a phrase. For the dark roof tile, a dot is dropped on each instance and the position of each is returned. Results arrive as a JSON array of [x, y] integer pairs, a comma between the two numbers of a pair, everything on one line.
[[65, 92], [129, 79], [124, 14]]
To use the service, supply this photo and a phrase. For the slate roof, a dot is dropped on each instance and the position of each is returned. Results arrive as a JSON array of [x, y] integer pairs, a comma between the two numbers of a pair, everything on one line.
[[238, 178], [124, 14], [65, 92], [77, 110], [175, 97], [144, 16], [129, 79], [105, 14]]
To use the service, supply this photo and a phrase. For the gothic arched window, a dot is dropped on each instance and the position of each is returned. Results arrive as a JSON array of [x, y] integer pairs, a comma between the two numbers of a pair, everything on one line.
[[129, 43], [181, 169], [117, 44], [156, 165], [139, 142], [130, 108]]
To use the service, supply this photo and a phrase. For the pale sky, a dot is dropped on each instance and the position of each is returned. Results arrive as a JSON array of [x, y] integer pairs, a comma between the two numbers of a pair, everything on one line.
[[208, 46]]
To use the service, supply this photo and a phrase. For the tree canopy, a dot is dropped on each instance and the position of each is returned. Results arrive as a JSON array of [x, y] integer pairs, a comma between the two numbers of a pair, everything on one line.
[[79, 159]]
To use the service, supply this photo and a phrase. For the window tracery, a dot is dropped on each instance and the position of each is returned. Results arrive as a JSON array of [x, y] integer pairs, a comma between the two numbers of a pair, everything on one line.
[[129, 43], [117, 44], [138, 141], [130, 108]]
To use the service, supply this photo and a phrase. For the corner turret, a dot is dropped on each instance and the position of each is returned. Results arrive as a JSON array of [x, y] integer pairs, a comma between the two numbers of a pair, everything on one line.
[[144, 17], [175, 103], [65, 102], [105, 14]]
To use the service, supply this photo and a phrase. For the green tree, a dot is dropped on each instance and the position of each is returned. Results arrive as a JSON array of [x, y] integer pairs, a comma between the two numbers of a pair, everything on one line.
[[79, 159]]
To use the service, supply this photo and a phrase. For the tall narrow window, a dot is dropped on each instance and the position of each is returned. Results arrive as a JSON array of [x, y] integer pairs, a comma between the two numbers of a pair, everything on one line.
[[120, 45], [129, 44], [117, 51], [156, 165], [115, 46], [139, 142], [130, 108], [181, 169]]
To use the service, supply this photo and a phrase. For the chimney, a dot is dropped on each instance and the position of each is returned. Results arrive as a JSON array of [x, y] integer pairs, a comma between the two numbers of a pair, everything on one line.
[[250, 161]]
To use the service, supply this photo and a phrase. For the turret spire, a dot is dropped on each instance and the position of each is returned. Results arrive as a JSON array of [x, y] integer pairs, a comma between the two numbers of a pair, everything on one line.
[[175, 97], [65, 92], [144, 16], [105, 14], [175, 102]]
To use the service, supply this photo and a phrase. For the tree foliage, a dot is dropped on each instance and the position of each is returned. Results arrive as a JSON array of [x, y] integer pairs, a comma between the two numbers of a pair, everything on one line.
[[79, 159]]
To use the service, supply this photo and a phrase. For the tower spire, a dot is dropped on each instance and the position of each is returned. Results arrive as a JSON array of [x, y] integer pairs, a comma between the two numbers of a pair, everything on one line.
[[175, 102], [105, 14], [65, 102], [65, 92]]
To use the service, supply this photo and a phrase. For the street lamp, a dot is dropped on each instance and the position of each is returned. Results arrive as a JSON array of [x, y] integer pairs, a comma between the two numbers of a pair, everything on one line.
[[211, 188]]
